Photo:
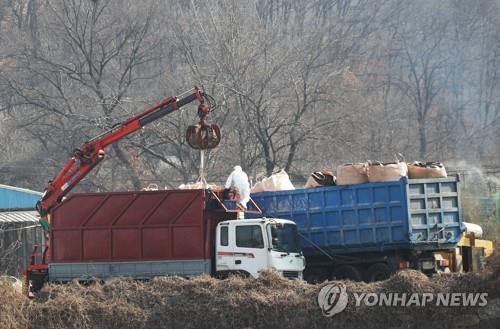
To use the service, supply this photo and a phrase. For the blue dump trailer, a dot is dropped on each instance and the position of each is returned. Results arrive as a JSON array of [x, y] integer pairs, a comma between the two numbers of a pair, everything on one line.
[[369, 231]]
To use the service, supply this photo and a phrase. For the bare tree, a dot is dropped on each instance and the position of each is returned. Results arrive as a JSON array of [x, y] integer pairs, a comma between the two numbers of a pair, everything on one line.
[[92, 54], [300, 85], [271, 79], [489, 80], [421, 62]]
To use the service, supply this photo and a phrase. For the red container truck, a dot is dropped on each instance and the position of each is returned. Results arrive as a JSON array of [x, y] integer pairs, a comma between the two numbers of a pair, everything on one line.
[[156, 233], [153, 233]]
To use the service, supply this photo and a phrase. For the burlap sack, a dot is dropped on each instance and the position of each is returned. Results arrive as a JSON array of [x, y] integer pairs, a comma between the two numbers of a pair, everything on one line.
[[258, 187], [276, 182], [381, 172], [282, 181], [311, 183], [320, 178], [426, 170], [352, 173]]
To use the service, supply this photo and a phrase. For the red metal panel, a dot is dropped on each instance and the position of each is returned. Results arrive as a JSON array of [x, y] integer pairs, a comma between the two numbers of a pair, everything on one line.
[[97, 244], [156, 243], [186, 211], [187, 242], [147, 225], [110, 210], [126, 244], [65, 245], [139, 208], [75, 211]]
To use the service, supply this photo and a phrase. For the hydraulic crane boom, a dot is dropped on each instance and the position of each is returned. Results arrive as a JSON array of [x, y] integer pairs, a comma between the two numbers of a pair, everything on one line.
[[92, 152]]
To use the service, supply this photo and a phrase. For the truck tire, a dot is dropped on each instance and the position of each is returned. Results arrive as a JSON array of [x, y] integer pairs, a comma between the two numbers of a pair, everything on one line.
[[315, 276], [348, 272], [226, 274], [37, 280], [378, 272]]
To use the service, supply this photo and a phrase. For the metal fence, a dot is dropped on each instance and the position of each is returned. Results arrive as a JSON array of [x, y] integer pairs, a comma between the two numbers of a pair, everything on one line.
[[18, 234]]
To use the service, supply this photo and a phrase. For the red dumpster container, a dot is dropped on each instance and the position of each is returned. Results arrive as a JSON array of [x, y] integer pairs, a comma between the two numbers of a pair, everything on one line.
[[137, 234]]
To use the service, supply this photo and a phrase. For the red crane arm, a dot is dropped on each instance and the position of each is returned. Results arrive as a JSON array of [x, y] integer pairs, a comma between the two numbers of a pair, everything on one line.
[[92, 151]]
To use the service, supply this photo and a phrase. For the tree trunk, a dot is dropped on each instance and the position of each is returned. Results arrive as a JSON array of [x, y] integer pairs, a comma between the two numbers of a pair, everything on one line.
[[269, 162], [423, 140], [291, 153], [133, 175]]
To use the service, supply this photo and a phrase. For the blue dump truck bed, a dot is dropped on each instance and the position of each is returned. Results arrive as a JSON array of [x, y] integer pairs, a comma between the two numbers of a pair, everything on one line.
[[421, 214]]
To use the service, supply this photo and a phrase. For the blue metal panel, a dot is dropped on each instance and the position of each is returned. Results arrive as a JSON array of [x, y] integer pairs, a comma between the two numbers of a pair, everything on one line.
[[13, 198], [434, 211], [373, 216]]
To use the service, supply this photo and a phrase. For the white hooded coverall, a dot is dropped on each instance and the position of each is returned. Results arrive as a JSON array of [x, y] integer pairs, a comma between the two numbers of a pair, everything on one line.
[[238, 180]]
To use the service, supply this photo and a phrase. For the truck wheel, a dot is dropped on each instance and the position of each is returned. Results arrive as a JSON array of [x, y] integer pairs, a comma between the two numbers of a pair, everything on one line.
[[315, 276], [347, 272], [378, 272], [37, 280], [221, 275], [226, 274]]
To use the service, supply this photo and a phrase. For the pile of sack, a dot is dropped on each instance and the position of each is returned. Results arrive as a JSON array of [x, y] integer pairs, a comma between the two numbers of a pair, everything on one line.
[[375, 171], [370, 172], [355, 173]]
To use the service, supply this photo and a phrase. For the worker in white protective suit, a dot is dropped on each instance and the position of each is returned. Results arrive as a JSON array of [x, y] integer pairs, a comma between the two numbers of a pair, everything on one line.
[[238, 180]]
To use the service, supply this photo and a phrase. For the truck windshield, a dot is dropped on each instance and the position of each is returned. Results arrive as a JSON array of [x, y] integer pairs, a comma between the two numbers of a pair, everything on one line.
[[283, 237]]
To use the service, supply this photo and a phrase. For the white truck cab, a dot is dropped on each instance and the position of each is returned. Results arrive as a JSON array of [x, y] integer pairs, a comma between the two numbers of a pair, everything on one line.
[[249, 245]]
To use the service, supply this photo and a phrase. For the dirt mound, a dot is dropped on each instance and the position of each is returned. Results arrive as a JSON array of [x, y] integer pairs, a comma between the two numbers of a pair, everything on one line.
[[268, 302]]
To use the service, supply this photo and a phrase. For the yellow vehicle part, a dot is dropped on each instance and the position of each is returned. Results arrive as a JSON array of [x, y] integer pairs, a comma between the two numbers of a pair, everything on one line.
[[469, 240]]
